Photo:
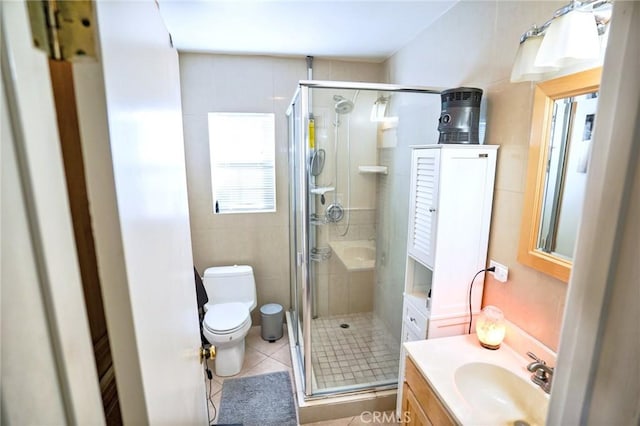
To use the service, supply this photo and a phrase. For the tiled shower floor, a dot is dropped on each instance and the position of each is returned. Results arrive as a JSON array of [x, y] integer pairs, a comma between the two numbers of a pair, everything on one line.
[[363, 354]]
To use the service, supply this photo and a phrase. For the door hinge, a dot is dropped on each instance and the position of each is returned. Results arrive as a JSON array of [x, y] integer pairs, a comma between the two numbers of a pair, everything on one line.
[[64, 29]]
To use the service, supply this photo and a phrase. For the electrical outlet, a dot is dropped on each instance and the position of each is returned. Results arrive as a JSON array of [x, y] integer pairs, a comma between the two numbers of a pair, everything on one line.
[[501, 273]]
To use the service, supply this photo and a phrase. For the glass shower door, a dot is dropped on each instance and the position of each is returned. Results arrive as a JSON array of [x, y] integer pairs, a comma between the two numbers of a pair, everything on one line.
[[352, 344], [296, 224]]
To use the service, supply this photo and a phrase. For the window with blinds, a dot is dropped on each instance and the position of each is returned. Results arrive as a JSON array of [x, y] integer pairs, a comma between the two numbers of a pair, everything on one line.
[[242, 158]]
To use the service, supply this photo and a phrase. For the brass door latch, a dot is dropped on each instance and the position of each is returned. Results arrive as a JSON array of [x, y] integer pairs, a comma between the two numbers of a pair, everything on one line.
[[207, 352]]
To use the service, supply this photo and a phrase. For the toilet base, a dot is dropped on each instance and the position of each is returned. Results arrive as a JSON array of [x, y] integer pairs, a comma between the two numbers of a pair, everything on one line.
[[228, 361]]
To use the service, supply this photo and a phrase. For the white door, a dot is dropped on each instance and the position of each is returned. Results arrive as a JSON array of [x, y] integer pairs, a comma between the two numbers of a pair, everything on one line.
[[48, 370], [130, 118]]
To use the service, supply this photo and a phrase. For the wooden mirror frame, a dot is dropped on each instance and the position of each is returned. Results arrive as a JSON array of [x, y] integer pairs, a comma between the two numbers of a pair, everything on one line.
[[546, 93]]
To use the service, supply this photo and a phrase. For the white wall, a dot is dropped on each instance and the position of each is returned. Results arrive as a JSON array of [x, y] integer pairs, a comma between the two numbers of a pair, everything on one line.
[[474, 44]]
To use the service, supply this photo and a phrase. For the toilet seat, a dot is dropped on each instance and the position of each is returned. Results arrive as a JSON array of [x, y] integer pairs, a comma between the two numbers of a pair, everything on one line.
[[226, 318]]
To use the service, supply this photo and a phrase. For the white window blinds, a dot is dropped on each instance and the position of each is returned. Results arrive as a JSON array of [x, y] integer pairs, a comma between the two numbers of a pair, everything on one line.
[[242, 158]]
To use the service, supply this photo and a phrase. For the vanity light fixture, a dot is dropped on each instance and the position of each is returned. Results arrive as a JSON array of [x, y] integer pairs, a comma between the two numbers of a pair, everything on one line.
[[490, 327], [524, 68], [574, 36]]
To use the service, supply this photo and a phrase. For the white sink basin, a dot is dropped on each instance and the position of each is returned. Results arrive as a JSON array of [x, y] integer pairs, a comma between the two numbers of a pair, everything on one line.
[[499, 397]]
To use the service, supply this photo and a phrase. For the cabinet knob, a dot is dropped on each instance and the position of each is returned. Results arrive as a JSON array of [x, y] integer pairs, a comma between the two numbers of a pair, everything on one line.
[[432, 209], [412, 319]]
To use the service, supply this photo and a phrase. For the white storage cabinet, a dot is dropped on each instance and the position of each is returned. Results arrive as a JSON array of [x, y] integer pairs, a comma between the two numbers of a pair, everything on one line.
[[449, 216]]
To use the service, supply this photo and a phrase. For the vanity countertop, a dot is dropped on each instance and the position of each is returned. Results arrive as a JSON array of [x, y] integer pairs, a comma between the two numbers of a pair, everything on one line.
[[438, 360]]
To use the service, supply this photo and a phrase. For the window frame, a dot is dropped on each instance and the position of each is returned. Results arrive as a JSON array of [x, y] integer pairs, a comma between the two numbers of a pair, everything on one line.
[[252, 153]]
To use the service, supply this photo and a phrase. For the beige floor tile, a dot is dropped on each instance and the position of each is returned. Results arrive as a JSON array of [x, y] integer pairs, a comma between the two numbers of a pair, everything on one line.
[[215, 409], [265, 347], [376, 418], [285, 334], [267, 366], [213, 387], [254, 331], [283, 355], [252, 357], [337, 422]]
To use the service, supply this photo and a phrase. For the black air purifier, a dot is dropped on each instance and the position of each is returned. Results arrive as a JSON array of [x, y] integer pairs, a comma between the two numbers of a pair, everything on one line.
[[460, 116]]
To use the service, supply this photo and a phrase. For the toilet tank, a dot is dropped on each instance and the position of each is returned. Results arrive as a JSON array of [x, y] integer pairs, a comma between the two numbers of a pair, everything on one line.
[[227, 284]]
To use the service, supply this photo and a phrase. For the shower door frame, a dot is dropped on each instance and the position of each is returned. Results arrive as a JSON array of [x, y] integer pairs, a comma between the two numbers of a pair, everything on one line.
[[300, 265]]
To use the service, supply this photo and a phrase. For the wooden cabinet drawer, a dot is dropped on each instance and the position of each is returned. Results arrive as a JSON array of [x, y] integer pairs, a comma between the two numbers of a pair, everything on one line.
[[426, 398], [412, 413]]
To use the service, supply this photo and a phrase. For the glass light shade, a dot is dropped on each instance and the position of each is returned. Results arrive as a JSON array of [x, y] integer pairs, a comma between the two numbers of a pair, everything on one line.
[[524, 68], [570, 39], [490, 327]]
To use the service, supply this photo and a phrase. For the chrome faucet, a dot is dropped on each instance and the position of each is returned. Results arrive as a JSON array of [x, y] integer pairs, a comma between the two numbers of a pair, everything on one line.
[[542, 373]]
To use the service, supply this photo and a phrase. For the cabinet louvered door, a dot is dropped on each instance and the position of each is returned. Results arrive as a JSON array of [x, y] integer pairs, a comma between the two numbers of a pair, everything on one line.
[[423, 207]]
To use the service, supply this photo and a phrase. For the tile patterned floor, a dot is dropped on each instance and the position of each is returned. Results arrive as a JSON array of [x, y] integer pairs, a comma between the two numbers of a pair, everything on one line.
[[366, 351], [363, 353], [260, 357]]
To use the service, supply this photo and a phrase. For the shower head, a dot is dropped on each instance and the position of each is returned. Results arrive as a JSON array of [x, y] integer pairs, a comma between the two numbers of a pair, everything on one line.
[[343, 105]]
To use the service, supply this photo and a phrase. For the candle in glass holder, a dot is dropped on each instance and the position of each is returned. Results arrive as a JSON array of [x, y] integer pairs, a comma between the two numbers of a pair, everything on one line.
[[490, 327]]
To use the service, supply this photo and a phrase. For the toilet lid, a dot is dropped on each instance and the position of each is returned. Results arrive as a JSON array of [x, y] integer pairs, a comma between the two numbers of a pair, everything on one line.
[[223, 317]]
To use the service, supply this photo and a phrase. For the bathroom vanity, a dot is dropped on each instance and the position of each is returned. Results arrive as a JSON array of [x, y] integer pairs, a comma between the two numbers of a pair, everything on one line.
[[420, 404], [455, 381]]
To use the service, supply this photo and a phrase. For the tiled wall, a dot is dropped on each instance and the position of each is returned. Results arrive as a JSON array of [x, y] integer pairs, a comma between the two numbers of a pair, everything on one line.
[[341, 291], [224, 83], [474, 44]]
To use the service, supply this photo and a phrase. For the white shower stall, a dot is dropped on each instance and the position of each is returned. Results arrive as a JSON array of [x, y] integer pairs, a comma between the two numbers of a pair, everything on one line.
[[348, 162]]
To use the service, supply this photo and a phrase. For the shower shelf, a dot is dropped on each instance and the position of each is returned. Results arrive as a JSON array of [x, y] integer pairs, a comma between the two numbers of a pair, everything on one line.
[[373, 169], [321, 190]]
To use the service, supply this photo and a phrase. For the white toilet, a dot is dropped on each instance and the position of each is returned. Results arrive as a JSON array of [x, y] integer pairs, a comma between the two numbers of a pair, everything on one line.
[[232, 296]]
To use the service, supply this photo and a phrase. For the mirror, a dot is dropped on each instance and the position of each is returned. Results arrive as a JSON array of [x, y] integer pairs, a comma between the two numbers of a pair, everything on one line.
[[564, 112]]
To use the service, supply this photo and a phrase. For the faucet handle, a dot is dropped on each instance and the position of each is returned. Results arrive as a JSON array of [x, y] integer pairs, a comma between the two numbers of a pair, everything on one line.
[[542, 374], [535, 358]]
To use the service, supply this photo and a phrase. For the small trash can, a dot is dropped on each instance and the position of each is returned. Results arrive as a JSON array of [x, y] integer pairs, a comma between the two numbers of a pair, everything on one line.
[[272, 316]]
